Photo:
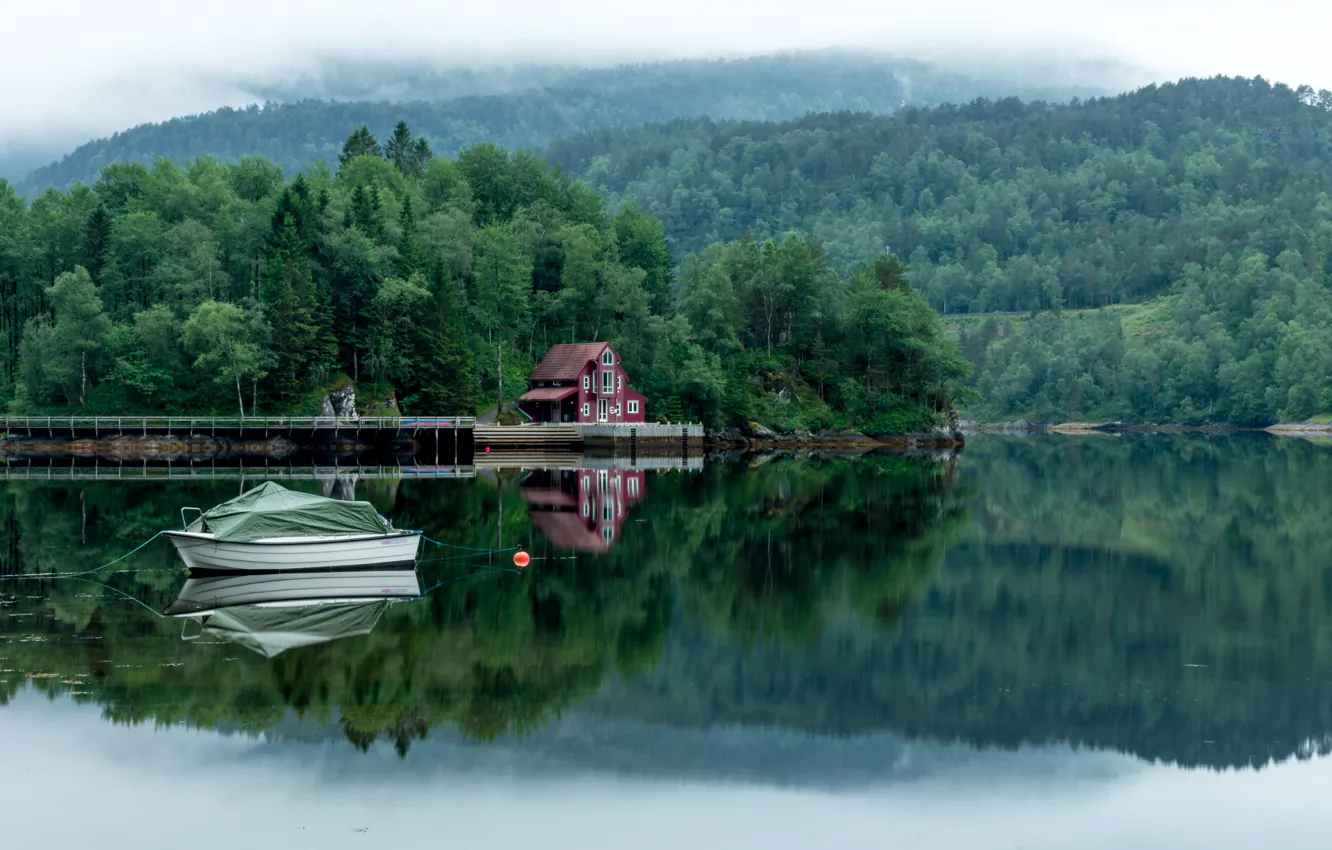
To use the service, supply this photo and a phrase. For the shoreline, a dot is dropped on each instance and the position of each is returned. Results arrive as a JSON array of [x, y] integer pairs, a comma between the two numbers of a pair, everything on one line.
[[763, 439], [1110, 429]]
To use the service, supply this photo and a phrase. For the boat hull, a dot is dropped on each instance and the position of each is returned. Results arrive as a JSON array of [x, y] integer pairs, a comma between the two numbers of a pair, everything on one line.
[[204, 552], [201, 595]]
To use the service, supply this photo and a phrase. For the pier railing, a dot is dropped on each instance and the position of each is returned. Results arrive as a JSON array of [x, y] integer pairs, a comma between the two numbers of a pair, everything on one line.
[[210, 424], [188, 472]]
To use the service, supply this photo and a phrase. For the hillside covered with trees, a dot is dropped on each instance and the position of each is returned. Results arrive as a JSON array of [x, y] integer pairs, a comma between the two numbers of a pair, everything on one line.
[[1212, 194], [228, 287], [306, 120]]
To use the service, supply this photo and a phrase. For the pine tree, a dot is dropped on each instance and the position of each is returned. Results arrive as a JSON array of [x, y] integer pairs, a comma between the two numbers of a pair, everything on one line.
[[421, 156], [409, 249], [359, 143], [96, 240], [409, 154]]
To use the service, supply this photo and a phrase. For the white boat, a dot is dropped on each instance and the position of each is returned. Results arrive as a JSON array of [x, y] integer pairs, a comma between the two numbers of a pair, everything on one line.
[[271, 528], [204, 551]]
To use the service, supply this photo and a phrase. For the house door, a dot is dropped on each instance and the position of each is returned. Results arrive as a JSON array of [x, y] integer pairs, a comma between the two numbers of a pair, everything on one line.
[[603, 409]]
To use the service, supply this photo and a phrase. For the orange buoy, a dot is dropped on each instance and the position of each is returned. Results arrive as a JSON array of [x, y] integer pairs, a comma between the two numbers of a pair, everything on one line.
[[521, 559]]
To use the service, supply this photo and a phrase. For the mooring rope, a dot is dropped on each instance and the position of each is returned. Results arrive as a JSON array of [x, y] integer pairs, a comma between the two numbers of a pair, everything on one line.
[[85, 572]]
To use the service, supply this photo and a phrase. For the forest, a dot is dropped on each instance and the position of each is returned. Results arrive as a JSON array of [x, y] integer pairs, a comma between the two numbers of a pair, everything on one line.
[[228, 287], [305, 121], [1211, 195], [1158, 256]]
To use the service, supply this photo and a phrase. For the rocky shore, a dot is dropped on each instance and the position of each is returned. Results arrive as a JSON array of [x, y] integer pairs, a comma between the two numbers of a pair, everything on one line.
[[759, 438], [162, 448]]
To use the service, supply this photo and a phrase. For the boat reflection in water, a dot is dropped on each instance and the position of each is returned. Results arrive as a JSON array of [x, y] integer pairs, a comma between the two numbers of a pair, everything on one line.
[[271, 612], [582, 509]]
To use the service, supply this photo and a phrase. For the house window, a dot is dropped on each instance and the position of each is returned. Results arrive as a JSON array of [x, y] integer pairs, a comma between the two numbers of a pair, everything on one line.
[[607, 510], [619, 382], [585, 482], [608, 382], [633, 406], [608, 358], [587, 382], [587, 408], [587, 508], [633, 484], [608, 533]]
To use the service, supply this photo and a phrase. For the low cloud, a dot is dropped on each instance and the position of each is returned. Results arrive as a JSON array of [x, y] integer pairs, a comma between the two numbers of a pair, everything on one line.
[[77, 69]]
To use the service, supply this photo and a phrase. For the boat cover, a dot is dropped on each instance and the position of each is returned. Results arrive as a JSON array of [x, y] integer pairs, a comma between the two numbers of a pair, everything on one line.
[[272, 631], [271, 510]]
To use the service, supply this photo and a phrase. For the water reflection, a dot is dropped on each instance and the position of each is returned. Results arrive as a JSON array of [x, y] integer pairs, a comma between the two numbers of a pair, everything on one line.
[[1169, 598], [582, 509], [271, 613]]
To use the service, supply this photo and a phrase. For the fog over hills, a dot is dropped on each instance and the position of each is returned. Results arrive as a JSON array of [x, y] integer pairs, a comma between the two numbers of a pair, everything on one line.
[[307, 116]]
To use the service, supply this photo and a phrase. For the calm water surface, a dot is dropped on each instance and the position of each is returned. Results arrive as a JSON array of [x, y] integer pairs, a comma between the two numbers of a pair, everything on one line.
[[1045, 642]]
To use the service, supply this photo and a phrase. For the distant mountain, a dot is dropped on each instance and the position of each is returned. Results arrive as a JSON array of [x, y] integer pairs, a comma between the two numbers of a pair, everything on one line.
[[308, 118]]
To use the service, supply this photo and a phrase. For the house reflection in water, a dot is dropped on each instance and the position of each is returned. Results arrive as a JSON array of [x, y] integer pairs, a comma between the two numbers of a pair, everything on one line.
[[582, 508]]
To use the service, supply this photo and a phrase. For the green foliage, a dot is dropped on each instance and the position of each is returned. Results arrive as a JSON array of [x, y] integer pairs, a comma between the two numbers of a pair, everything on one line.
[[1242, 343], [999, 205], [226, 287]]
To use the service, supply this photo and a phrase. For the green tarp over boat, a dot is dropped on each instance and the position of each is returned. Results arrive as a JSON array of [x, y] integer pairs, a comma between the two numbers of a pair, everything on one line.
[[271, 510], [272, 631]]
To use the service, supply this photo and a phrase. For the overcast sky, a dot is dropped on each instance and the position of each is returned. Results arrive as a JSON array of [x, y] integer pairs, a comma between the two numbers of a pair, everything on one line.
[[70, 69]]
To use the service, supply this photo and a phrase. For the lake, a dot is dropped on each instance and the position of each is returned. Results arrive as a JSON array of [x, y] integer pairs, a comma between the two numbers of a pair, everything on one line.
[[1042, 642]]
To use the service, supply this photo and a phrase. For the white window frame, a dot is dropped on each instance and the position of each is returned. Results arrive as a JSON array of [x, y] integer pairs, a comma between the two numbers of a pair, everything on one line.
[[587, 509], [633, 406], [607, 382], [633, 485], [619, 383], [608, 534], [587, 409], [608, 358], [603, 404], [587, 382]]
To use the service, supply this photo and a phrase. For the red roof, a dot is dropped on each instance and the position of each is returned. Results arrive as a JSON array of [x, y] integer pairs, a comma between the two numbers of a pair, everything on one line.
[[567, 531], [548, 393], [549, 498], [565, 362]]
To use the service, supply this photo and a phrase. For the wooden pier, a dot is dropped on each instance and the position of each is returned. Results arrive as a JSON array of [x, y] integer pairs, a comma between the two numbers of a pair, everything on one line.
[[149, 471], [452, 440], [244, 428], [444, 439]]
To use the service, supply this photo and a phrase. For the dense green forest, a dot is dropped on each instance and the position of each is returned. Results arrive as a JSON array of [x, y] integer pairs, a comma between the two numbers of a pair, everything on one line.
[[306, 120], [1213, 192], [1165, 597], [1244, 343], [227, 287]]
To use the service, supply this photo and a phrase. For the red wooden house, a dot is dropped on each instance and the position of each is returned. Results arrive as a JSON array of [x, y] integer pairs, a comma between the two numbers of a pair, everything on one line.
[[582, 508], [582, 383]]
